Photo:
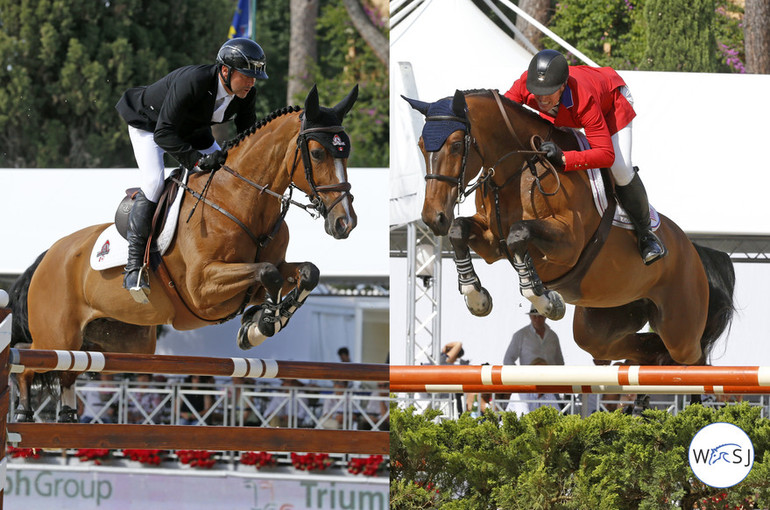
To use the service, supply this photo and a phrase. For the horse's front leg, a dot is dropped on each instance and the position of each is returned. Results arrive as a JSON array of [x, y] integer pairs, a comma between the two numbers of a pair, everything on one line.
[[262, 321], [463, 233], [548, 302], [220, 282]]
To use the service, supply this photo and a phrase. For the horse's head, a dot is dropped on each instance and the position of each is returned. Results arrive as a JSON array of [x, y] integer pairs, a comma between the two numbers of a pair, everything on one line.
[[325, 148], [450, 163]]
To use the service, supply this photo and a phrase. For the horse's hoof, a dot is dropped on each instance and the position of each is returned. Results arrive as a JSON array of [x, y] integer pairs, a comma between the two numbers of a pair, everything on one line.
[[24, 416], [556, 307], [68, 415], [249, 336], [479, 303]]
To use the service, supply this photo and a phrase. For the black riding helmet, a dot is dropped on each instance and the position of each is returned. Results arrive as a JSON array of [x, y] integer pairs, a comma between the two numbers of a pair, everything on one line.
[[243, 55], [548, 70]]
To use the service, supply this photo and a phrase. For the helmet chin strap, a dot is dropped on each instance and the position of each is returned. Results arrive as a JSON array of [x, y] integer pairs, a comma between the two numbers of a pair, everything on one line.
[[226, 80]]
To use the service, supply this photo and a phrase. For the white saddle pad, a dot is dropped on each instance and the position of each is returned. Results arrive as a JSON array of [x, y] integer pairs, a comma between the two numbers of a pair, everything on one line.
[[600, 195], [111, 249]]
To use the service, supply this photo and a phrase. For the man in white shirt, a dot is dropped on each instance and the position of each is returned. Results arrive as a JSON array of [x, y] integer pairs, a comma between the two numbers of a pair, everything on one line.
[[536, 340]]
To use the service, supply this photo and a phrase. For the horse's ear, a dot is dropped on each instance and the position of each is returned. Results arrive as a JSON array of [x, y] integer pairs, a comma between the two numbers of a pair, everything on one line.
[[420, 106], [344, 106], [312, 110], [459, 106]]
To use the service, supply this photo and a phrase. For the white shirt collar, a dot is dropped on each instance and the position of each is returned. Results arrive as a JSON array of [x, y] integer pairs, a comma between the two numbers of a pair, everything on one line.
[[221, 92], [219, 113]]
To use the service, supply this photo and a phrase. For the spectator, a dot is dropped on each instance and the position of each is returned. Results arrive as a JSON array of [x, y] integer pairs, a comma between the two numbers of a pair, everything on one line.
[[344, 354], [537, 340]]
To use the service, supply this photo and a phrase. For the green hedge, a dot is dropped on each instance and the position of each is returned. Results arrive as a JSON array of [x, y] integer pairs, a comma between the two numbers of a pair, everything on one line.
[[546, 460]]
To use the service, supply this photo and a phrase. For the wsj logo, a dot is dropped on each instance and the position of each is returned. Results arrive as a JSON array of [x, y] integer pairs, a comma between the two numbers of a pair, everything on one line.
[[721, 455]]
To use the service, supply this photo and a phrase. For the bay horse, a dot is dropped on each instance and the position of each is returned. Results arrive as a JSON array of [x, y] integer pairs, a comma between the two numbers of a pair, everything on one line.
[[228, 252], [545, 223]]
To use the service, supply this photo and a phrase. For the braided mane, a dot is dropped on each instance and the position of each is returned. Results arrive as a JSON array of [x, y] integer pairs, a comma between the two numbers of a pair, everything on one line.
[[259, 124]]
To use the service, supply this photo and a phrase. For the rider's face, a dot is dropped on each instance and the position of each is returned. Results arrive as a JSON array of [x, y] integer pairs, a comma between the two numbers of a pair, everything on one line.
[[545, 103], [240, 84]]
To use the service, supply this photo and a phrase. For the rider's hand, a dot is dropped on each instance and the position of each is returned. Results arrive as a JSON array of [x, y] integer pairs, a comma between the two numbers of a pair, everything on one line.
[[553, 154], [210, 162]]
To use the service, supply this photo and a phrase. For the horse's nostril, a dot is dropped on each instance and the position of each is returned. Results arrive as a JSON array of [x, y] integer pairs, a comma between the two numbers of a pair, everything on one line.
[[342, 225]]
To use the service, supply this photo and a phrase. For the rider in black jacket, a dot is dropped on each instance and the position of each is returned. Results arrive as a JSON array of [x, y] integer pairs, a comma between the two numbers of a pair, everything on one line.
[[174, 115]]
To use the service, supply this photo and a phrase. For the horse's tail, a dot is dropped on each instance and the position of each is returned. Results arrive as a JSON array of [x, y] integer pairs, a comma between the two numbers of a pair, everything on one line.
[[721, 280], [18, 303], [48, 381]]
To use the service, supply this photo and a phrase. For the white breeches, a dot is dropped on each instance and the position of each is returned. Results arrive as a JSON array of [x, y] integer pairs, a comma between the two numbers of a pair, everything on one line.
[[622, 169], [149, 159]]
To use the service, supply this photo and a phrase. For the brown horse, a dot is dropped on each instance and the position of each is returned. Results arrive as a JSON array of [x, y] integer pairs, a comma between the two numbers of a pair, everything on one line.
[[545, 223], [228, 252]]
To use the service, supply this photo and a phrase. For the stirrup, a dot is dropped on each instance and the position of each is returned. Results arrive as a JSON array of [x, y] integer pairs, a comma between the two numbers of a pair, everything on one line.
[[651, 248], [137, 282]]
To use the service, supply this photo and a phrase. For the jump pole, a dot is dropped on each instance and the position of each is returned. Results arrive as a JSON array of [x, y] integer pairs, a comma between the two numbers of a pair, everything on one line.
[[601, 389], [91, 361], [443, 376], [185, 437]]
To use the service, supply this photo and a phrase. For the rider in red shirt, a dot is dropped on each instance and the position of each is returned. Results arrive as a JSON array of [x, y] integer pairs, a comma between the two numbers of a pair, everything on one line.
[[597, 100]]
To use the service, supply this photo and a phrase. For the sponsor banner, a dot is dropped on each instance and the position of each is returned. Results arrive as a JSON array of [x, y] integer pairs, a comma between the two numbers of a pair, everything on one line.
[[66, 487]]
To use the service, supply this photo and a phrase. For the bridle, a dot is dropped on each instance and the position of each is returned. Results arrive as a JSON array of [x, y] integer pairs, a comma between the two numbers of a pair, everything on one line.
[[302, 146], [468, 142], [486, 174], [315, 208]]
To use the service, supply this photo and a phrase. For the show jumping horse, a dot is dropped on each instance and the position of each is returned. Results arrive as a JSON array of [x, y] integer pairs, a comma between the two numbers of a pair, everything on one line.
[[228, 252], [545, 223]]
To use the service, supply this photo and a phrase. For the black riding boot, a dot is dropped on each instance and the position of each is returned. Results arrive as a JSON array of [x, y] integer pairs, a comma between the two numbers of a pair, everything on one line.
[[139, 224], [633, 198]]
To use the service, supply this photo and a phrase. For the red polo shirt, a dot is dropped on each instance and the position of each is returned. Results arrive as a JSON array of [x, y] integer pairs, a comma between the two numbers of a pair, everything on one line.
[[590, 101]]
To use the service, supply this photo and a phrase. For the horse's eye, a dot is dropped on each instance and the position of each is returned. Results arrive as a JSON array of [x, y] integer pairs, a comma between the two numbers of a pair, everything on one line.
[[318, 154], [457, 147]]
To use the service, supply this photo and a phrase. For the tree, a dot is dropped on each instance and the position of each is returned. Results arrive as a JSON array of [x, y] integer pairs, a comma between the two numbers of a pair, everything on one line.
[[541, 11], [302, 46], [346, 60], [65, 64], [373, 37], [680, 36], [757, 36]]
